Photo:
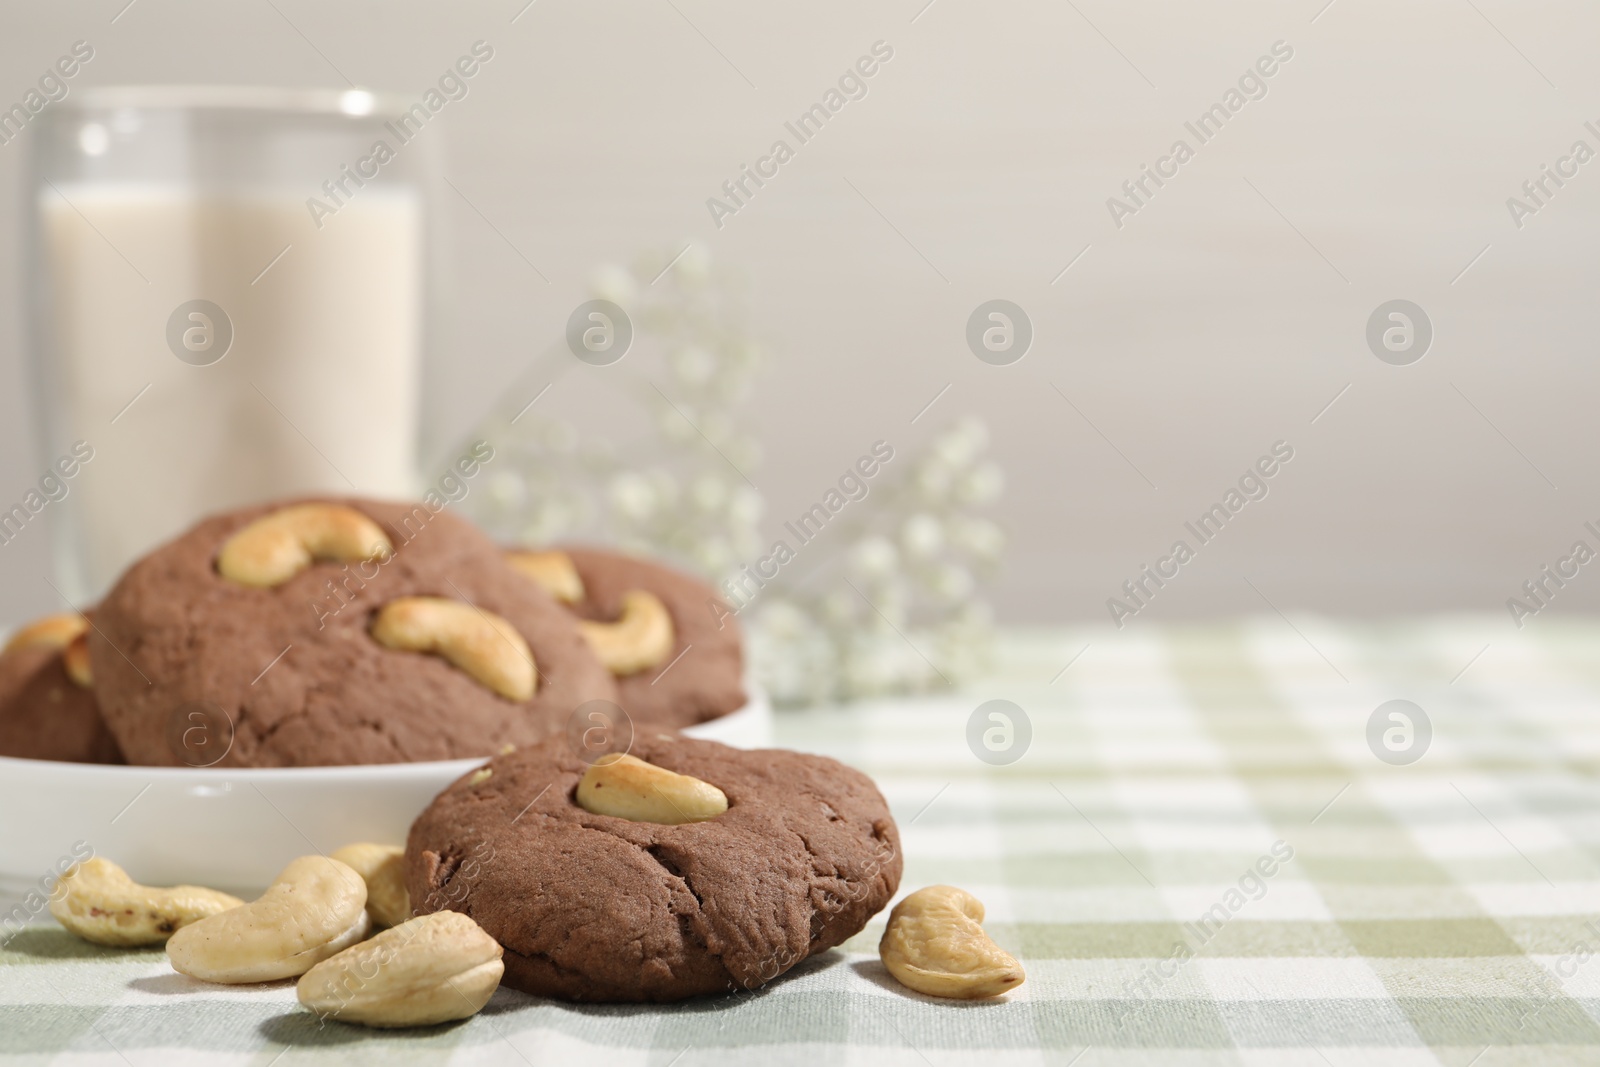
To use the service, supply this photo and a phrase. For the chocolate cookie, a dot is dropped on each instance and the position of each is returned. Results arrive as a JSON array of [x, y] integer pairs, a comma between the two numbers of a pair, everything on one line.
[[333, 632], [600, 908], [48, 708], [674, 668]]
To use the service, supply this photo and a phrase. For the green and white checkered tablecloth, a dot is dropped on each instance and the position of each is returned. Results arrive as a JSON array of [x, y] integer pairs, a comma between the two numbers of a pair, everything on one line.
[[1442, 912]]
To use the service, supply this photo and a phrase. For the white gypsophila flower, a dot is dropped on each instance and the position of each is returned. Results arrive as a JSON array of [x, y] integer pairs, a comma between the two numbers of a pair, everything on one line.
[[670, 494], [543, 526], [747, 541], [656, 320], [694, 265], [980, 537], [974, 430], [730, 390], [975, 630], [874, 558], [960, 445], [933, 480], [783, 619], [711, 557], [800, 681], [841, 606], [735, 369], [632, 496], [583, 507], [615, 284], [747, 506], [976, 615], [745, 454], [636, 545], [663, 484], [785, 683], [888, 609], [870, 669], [717, 427], [981, 485], [708, 493], [693, 365], [793, 658], [506, 490], [561, 436], [916, 672], [922, 536], [952, 582], [958, 654]]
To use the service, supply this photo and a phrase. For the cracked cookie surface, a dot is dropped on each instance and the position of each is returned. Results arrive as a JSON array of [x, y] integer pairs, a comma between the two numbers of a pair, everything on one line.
[[295, 668], [598, 908]]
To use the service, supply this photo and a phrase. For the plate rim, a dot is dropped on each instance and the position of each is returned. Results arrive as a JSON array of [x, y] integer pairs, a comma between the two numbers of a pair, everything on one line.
[[13, 767]]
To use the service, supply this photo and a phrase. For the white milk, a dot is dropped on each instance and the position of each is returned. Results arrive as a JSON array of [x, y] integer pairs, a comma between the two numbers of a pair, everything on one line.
[[318, 393]]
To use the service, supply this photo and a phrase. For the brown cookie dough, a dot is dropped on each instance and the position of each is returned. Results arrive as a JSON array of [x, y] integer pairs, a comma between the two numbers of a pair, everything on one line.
[[44, 712], [293, 667], [702, 677], [597, 908]]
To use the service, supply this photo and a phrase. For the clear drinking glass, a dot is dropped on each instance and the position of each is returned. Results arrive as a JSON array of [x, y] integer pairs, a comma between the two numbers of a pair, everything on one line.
[[231, 304]]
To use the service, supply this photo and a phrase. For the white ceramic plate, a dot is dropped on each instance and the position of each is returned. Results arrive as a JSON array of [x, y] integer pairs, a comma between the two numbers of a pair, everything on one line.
[[231, 829]]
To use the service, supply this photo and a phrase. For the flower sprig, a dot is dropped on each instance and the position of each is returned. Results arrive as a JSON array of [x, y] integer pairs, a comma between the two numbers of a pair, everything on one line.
[[896, 610]]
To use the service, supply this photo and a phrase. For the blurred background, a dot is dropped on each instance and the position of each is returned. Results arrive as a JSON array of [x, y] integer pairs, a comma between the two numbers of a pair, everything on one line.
[[1175, 340]]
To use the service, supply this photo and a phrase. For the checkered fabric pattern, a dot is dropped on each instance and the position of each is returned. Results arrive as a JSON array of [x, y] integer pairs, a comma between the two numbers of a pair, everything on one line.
[[1199, 859]]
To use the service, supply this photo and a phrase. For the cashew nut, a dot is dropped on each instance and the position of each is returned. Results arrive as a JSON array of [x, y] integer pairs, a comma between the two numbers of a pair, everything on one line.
[[69, 633], [99, 902], [483, 644], [641, 638], [552, 570], [935, 944], [276, 547], [316, 909], [75, 658], [52, 631], [382, 867], [429, 970], [629, 788]]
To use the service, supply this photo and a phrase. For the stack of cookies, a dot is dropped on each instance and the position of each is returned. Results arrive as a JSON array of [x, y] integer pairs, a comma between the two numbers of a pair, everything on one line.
[[333, 632], [639, 865]]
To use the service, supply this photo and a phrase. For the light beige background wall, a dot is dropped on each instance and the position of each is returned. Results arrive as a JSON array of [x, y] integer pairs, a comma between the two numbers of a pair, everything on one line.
[[1222, 317]]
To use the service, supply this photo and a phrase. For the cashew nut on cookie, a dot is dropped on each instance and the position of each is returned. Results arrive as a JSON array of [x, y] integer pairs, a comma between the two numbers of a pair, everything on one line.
[[276, 547], [480, 643], [629, 788], [552, 570], [642, 637]]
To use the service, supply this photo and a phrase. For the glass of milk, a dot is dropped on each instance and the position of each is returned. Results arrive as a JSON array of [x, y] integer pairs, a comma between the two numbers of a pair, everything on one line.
[[230, 305]]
